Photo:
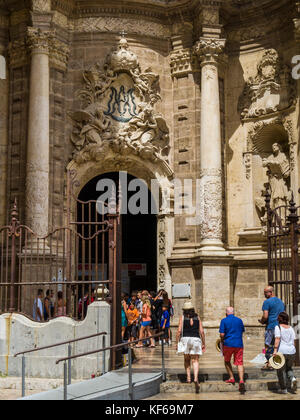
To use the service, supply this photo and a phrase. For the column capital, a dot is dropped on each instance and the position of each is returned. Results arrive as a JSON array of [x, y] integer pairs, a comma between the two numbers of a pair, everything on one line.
[[59, 54], [17, 52], [38, 41], [209, 50]]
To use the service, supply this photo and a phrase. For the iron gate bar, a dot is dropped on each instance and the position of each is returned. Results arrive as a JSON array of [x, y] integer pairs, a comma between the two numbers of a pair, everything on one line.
[[283, 270]]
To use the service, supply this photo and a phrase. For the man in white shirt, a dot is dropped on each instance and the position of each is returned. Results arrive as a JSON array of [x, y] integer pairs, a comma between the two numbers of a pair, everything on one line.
[[38, 306]]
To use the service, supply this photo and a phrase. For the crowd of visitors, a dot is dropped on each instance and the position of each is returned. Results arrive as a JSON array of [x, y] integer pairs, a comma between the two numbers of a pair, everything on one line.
[[145, 314], [279, 339], [49, 306]]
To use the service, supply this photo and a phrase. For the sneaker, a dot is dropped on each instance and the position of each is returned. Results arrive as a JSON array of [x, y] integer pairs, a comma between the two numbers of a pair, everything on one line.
[[283, 391], [294, 385]]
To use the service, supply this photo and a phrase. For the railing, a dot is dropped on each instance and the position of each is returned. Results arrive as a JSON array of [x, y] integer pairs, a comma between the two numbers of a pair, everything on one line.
[[114, 348], [69, 342]]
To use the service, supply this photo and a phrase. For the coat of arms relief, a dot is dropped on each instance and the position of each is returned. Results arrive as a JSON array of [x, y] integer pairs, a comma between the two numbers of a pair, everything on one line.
[[270, 91], [118, 111]]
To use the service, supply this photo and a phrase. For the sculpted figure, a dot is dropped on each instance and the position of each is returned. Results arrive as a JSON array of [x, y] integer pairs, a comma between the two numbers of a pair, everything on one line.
[[95, 127], [278, 173]]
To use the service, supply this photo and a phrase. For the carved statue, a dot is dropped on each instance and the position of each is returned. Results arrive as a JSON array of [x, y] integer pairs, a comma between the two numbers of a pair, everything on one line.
[[278, 173]]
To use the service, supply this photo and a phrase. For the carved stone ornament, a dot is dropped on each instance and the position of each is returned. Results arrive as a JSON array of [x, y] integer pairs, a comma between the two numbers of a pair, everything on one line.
[[211, 206], [271, 90], [118, 111], [181, 62]]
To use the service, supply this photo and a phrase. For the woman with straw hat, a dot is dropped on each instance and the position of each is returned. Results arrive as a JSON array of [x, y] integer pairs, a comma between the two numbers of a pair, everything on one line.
[[191, 341], [285, 344]]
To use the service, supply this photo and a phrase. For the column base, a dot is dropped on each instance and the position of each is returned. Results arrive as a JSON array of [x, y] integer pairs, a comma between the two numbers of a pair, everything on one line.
[[212, 247]]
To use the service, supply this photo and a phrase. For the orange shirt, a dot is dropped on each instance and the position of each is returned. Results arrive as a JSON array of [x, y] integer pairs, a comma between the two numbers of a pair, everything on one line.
[[132, 315]]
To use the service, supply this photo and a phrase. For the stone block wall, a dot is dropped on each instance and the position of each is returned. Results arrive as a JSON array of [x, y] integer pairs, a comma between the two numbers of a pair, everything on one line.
[[18, 333]]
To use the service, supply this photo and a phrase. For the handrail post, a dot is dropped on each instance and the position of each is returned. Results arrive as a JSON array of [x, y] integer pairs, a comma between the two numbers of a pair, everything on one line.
[[163, 360], [69, 364], [23, 376], [103, 355], [130, 373], [65, 382]]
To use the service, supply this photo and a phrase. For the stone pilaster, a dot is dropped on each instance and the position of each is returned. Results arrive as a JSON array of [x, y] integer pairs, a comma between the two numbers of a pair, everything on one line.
[[37, 177], [209, 51]]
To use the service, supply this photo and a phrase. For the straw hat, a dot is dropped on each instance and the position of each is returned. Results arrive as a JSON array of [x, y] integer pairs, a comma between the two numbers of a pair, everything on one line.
[[218, 344], [188, 305], [277, 361]]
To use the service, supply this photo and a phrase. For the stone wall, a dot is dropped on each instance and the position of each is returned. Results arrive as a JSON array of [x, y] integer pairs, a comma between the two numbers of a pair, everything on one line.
[[18, 333]]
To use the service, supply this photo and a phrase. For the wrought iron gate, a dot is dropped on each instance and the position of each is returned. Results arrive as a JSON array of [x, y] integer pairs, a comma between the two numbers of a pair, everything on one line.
[[283, 232], [79, 262]]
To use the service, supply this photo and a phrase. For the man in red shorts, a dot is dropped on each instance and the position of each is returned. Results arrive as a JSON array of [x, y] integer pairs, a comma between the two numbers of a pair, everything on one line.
[[231, 333]]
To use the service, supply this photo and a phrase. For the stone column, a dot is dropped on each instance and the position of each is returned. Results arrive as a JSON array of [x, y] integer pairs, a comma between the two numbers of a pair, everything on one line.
[[37, 176], [208, 51]]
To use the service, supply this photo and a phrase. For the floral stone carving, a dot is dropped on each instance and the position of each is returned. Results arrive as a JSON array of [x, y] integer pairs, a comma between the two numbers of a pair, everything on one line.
[[118, 111], [271, 90]]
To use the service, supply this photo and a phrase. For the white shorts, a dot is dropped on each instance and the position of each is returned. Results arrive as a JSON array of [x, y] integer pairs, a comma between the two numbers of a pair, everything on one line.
[[190, 345]]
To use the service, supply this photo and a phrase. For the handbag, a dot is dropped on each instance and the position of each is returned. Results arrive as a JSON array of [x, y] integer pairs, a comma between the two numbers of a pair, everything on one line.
[[180, 345]]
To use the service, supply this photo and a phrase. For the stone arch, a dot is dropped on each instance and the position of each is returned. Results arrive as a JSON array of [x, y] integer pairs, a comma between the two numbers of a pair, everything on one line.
[[147, 171]]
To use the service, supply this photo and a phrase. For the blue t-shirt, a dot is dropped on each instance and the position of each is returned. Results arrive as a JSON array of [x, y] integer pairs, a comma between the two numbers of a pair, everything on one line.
[[165, 315], [233, 329], [274, 305]]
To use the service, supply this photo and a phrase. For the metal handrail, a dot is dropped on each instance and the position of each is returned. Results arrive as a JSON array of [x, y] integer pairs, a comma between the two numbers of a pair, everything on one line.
[[116, 347], [69, 342], [60, 344]]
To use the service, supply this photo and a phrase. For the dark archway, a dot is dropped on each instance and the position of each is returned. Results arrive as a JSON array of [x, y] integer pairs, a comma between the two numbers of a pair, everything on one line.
[[139, 238]]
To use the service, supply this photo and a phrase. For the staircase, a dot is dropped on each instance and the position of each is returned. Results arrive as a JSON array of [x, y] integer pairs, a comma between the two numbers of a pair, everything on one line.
[[213, 380]]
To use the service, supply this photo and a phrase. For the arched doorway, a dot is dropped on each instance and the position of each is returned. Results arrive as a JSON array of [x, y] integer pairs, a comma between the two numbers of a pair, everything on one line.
[[139, 235]]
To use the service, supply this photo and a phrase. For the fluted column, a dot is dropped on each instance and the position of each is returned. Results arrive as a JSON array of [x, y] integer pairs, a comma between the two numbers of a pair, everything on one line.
[[37, 176], [209, 51]]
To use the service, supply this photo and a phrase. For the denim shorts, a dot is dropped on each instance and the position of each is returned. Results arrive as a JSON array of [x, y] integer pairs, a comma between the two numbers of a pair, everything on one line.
[[146, 323]]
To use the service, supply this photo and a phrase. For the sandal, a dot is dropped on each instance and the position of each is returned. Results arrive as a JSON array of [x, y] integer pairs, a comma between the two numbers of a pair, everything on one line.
[[138, 347], [197, 387], [152, 347], [267, 368]]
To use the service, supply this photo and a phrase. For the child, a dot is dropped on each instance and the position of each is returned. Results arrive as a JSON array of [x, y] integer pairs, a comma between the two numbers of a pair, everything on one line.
[[132, 316], [165, 323]]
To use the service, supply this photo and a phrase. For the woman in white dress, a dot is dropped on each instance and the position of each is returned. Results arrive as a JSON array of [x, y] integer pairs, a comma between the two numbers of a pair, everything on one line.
[[191, 341]]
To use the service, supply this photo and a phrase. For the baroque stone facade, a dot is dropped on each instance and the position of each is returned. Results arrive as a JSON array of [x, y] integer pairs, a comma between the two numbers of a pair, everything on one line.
[[161, 89]]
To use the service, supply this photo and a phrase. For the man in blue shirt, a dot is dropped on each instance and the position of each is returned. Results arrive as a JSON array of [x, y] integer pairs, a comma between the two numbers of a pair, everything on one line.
[[231, 333], [271, 308]]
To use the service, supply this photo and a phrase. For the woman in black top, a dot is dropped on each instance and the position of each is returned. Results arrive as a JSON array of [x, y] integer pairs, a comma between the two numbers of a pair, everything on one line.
[[191, 341]]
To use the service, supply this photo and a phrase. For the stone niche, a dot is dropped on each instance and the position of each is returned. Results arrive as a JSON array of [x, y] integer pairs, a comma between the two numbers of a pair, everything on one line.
[[269, 162]]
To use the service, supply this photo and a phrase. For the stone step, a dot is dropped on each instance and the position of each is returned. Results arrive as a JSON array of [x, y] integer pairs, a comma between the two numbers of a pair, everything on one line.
[[256, 385], [220, 375]]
